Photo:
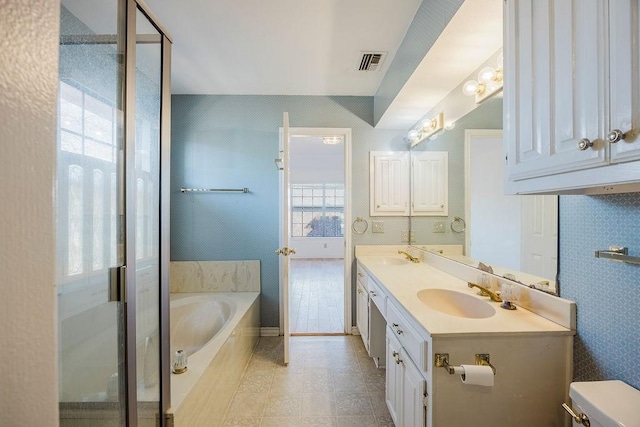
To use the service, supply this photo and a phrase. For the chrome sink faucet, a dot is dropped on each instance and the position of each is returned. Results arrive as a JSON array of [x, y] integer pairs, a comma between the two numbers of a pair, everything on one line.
[[409, 257], [486, 292]]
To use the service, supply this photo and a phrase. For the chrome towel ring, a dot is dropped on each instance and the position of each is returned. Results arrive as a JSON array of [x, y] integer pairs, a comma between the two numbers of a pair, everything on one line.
[[458, 225], [360, 225]]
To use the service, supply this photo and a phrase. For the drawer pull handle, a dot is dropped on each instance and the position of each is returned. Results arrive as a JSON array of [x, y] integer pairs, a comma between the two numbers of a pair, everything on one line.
[[399, 331], [373, 294], [395, 325]]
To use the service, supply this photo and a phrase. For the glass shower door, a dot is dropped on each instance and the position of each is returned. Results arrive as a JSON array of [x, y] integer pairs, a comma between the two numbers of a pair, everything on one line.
[[90, 214], [147, 235]]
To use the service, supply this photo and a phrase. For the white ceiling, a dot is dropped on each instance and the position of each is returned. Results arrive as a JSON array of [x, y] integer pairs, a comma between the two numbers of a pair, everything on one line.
[[314, 47], [281, 47]]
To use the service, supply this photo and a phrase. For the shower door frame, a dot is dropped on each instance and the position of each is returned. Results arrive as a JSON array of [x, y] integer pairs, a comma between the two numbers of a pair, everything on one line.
[[131, 395]]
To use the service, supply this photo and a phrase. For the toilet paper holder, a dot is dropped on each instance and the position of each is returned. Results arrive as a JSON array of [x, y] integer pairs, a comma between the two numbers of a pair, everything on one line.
[[442, 361]]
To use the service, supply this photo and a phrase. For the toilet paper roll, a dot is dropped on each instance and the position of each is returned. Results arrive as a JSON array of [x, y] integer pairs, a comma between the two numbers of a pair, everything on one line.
[[477, 375]]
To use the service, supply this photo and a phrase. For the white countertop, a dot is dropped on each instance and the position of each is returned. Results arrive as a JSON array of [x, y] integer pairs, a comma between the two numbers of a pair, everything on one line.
[[403, 282]]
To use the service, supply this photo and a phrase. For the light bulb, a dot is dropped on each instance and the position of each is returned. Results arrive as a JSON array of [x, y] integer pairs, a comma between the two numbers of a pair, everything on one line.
[[486, 75], [470, 88], [428, 125], [413, 135], [450, 125]]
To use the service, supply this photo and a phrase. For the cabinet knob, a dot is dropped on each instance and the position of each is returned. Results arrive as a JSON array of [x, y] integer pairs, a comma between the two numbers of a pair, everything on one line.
[[584, 143], [373, 294], [615, 136]]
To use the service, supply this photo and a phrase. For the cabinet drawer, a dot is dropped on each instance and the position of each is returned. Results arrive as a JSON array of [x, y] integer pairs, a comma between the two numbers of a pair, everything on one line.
[[378, 297], [415, 346]]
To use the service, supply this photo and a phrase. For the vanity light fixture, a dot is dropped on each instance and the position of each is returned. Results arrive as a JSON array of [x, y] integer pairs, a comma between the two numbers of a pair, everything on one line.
[[331, 140], [428, 128], [488, 84]]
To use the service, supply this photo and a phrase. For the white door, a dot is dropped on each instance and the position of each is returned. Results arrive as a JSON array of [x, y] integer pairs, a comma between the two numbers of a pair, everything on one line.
[[540, 235], [284, 251], [491, 216]]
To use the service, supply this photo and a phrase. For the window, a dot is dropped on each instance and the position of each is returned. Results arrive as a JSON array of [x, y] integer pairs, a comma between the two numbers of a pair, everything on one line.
[[317, 210]]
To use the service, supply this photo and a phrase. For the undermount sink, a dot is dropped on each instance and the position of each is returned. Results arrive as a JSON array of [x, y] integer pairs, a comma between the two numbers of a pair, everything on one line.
[[391, 260], [456, 303]]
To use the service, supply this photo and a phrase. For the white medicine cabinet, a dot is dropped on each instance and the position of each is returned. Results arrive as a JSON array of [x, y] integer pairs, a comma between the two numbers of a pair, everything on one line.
[[404, 183], [571, 97]]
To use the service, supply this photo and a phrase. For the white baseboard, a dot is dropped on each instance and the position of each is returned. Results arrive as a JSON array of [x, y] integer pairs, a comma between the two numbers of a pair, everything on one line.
[[270, 331], [355, 330]]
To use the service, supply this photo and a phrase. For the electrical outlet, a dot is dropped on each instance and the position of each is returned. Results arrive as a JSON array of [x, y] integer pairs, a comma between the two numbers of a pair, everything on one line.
[[377, 226], [438, 227], [404, 236]]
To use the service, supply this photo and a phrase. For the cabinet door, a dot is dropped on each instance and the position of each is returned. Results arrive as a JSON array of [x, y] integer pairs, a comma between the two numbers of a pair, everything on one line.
[[624, 114], [556, 86], [389, 183], [430, 183], [395, 377], [413, 394], [362, 314]]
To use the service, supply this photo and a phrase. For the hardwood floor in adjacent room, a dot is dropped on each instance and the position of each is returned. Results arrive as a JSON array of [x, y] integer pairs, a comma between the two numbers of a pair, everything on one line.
[[316, 303]]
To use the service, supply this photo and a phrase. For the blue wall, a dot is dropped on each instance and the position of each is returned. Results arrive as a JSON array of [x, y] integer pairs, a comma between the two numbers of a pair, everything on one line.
[[607, 293], [225, 141]]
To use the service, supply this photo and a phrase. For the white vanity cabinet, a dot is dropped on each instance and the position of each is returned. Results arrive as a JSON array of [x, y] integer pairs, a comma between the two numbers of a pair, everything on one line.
[[571, 90], [406, 388], [362, 306], [406, 391], [370, 316]]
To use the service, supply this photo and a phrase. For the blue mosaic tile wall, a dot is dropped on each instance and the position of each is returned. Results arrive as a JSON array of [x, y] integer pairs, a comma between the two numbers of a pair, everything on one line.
[[607, 293]]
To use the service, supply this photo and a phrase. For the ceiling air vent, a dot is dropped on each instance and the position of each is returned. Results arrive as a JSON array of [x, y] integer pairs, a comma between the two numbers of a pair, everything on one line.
[[371, 61]]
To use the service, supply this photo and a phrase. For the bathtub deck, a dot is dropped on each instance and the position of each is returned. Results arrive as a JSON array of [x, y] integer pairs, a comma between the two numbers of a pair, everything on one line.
[[330, 382]]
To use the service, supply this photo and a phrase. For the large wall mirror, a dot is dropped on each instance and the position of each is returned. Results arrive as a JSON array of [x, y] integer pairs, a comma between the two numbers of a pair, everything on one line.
[[512, 234]]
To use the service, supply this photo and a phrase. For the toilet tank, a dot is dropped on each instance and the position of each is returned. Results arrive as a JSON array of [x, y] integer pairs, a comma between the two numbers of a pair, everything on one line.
[[606, 403]]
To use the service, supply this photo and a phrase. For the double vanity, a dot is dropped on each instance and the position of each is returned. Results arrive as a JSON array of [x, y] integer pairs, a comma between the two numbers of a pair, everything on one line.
[[421, 321]]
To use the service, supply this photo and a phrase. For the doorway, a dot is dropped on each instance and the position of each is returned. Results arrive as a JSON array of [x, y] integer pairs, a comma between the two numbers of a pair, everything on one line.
[[318, 213]]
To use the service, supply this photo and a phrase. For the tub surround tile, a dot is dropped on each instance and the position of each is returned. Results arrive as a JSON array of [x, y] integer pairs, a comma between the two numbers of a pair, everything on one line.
[[215, 276]]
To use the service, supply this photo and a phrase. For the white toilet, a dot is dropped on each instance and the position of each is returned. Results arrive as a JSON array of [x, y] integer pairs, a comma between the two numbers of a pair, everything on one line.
[[606, 403]]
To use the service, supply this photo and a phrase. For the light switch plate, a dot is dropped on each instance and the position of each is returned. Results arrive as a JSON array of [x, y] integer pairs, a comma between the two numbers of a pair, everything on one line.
[[438, 227], [377, 226]]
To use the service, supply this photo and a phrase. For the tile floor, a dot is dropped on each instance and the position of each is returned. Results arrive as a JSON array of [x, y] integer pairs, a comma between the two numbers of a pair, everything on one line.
[[316, 296], [330, 381]]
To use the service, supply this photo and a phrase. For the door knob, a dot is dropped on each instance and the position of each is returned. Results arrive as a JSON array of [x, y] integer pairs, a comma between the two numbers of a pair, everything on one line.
[[285, 251], [615, 136], [584, 143]]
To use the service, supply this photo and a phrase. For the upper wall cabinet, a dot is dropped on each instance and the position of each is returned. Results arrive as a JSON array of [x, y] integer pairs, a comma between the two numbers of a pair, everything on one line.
[[396, 189], [572, 96], [389, 183], [429, 183]]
